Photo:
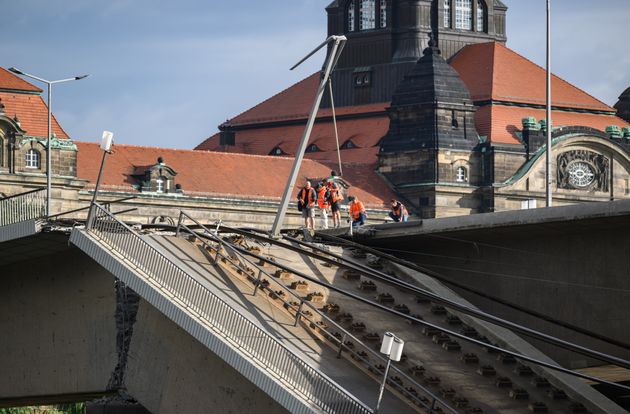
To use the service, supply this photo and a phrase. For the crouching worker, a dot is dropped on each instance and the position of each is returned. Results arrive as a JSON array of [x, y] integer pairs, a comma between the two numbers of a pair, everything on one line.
[[306, 204], [357, 212], [399, 213]]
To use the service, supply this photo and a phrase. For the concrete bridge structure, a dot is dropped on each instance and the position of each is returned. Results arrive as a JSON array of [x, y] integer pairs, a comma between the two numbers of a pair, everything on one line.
[[148, 317]]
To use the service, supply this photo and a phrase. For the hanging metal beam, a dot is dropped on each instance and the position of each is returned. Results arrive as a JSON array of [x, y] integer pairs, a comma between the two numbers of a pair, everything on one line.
[[338, 43]]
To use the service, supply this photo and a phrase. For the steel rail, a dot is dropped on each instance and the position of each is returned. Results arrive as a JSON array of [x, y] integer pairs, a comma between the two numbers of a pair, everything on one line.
[[441, 278], [352, 265], [425, 323], [300, 315]]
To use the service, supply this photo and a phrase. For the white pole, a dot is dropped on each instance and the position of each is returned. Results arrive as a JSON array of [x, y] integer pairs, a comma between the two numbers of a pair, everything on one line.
[[49, 154], [299, 155], [549, 177]]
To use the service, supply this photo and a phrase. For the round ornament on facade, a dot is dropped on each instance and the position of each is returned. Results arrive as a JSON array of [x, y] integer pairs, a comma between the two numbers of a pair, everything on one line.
[[581, 174]]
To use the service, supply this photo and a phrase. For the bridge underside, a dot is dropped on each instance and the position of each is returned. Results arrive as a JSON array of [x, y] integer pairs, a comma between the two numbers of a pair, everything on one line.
[[66, 338]]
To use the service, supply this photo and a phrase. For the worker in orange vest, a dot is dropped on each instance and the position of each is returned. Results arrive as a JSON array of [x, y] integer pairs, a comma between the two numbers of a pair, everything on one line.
[[357, 212], [322, 202], [335, 198], [306, 204]]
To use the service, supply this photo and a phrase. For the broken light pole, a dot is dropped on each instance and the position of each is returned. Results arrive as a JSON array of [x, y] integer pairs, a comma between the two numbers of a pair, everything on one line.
[[338, 43]]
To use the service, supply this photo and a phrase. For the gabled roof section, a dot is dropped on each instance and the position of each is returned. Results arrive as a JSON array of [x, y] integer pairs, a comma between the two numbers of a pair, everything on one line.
[[32, 113], [494, 72], [294, 104], [204, 173], [13, 83]]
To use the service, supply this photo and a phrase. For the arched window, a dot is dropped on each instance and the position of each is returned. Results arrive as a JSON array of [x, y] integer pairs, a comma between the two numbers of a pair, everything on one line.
[[367, 14], [462, 175], [32, 159], [383, 13], [351, 14], [160, 184], [463, 14], [447, 13], [481, 16]]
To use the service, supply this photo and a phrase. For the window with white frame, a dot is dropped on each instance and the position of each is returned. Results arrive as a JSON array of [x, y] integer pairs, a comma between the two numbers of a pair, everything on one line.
[[447, 13], [160, 184], [367, 15], [463, 14], [383, 13], [461, 175], [32, 159], [351, 14], [481, 16]]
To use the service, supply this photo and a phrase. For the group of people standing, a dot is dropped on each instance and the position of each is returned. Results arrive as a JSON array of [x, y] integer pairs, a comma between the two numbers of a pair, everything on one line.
[[327, 195]]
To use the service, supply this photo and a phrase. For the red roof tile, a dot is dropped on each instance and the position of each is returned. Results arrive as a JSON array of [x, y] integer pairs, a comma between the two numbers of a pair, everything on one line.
[[222, 174], [492, 71], [500, 123], [295, 103], [32, 113], [9, 81]]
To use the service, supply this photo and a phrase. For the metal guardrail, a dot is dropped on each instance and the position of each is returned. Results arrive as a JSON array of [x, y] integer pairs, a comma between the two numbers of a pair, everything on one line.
[[425, 399], [23, 207], [237, 331]]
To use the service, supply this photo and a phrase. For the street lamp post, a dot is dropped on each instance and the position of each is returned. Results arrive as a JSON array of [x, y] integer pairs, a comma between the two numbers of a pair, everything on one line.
[[49, 143], [392, 347], [549, 178]]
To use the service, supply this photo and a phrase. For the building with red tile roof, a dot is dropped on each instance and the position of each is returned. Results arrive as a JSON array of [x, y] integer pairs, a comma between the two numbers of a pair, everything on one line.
[[505, 98]]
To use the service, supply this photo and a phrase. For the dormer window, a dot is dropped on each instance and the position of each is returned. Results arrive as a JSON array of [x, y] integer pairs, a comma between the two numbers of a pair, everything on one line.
[[277, 151], [160, 184], [362, 79], [312, 148], [348, 145], [367, 15]]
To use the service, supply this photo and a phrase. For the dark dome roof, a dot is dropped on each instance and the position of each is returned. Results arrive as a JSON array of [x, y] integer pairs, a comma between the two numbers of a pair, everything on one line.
[[432, 79]]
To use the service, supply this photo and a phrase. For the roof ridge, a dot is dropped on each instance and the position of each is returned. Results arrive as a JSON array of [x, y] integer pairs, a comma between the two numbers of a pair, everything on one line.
[[270, 98], [193, 151], [556, 76]]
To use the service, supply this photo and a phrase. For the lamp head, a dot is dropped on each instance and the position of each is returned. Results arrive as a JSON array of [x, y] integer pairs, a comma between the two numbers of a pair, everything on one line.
[[80, 77], [16, 70], [107, 140]]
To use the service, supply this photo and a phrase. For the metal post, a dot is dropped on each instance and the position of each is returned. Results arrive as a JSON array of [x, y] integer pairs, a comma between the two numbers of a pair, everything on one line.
[[380, 394], [88, 223], [343, 339], [49, 154], [180, 219], [299, 155], [257, 281], [549, 177], [299, 313]]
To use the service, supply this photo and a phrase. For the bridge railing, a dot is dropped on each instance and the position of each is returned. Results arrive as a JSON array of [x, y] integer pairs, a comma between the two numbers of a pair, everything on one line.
[[23, 207], [310, 315], [238, 331]]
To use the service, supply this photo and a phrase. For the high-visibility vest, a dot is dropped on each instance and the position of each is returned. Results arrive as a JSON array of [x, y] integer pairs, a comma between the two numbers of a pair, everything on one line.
[[308, 200], [322, 202], [335, 194], [356, 208]]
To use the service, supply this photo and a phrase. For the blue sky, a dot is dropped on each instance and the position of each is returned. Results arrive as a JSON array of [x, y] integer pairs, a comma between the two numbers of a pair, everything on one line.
[[167, 73]]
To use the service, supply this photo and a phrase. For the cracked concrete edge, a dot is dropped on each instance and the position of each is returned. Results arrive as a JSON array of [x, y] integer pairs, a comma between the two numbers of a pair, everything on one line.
[[575, 388]]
